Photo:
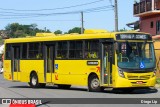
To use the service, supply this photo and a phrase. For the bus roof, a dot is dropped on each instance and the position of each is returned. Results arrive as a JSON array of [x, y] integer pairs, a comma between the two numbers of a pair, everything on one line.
[[52, 37], [59, 38]]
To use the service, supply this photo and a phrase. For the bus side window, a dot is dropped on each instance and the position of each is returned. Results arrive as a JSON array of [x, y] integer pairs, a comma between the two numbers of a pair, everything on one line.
[[35, 51], [86, 54], [24, 51], [91, 49], [75, 49], [92, 55], [59, 55], [61, 50], [39, 56], [8, 51]]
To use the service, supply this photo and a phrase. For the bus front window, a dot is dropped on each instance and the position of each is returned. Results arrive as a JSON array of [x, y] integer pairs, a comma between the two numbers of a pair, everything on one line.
[[135, 55]]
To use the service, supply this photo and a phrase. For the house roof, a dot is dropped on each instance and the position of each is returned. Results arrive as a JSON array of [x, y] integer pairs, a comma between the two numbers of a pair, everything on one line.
[[132, 24]]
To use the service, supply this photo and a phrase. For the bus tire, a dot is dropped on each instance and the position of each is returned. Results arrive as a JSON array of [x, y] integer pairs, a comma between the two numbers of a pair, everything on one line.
[[34, 81], [94, 84], [64, 86]]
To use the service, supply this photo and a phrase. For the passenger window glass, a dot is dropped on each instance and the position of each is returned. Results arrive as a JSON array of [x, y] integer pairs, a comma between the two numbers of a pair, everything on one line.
[[8, 51], [24, 51], [91, 49], [61, 50], [35, 51], [75, 49]]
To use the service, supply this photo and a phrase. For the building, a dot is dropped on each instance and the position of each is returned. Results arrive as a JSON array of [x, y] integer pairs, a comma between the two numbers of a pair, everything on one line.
[[148, 12]]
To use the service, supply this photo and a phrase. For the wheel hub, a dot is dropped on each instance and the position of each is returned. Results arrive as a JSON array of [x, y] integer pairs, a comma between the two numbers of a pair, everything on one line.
[[34, 81], [95, 83]]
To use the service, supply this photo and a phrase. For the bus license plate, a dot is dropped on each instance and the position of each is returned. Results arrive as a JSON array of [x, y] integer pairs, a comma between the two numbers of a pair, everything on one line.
[[139, 82]]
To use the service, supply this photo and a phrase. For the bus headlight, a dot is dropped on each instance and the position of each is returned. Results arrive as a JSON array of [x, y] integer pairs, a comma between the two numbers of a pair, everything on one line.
[[121, 74]]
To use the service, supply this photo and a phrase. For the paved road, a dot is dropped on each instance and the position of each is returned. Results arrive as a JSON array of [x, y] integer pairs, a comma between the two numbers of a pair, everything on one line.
[[22, 90]]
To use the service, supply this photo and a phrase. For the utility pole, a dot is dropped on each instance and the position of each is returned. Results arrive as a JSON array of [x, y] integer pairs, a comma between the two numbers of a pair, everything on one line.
[[116, 15], [82, 23]]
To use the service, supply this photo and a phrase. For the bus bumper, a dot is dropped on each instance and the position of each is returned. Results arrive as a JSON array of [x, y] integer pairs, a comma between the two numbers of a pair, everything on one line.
[[125, 83]]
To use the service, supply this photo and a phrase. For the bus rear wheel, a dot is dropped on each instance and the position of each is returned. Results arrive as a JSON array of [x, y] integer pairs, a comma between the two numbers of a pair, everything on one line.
[[94, 84], [34, 81]]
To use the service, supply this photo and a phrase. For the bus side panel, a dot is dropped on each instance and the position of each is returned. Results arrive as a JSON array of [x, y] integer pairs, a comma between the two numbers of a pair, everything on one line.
[[7, 69], [26, 66], [74, 72]]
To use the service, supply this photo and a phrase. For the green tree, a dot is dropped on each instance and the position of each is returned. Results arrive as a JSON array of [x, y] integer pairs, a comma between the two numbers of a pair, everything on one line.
[[19, 33], [75, 30], [17, 30], [58, 32], [11, 28]]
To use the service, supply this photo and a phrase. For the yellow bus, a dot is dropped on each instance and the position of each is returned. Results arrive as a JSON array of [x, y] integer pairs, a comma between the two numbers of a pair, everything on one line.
[[97, 59]]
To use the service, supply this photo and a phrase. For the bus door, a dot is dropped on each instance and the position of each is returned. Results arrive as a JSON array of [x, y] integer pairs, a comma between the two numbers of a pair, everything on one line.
[[15, 63], [106, 64], [49, 61]]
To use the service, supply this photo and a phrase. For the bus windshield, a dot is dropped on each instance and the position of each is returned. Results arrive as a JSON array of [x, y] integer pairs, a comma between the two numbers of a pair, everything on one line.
[[136, 55]]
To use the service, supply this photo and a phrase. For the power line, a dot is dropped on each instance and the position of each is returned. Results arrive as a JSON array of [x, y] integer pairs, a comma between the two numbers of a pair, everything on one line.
[[48, 20], [56, 20], [23, 14], [13, 18], [14, 15], [100, 11], [98, 8], [28, 15], [56, 8]]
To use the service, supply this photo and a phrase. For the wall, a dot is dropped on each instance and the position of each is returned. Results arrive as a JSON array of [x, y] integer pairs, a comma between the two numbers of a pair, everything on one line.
[[145, 23], [157, 53], [157, 5]]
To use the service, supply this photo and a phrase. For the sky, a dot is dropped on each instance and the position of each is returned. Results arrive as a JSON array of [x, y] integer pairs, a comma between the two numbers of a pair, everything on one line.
[[65, 14]]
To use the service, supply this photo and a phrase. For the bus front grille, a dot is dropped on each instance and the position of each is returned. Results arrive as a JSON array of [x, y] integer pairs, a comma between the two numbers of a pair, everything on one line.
[[133, 77], [144, 77]]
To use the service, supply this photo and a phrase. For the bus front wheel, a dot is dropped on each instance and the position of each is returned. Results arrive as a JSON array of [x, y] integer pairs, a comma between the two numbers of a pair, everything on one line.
[[94, 84], [34, 81]]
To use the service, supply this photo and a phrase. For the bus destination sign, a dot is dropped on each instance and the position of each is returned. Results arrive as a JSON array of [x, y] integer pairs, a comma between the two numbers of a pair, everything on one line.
[[133, 36]]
